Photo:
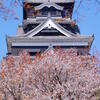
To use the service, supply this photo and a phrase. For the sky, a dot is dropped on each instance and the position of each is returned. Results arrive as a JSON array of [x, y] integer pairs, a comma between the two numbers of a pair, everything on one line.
[[88, 22]]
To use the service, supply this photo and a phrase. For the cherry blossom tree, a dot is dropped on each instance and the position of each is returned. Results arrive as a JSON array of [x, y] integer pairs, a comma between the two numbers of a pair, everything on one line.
[[56, 74], [8, 9]]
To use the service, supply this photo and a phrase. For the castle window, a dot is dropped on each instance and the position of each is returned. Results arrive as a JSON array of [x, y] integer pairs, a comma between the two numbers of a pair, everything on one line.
[[45, 11], [32, 53]]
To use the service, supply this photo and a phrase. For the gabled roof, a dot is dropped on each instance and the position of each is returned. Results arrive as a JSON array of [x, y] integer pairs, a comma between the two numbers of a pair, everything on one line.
[[48, 4], [49, 23]]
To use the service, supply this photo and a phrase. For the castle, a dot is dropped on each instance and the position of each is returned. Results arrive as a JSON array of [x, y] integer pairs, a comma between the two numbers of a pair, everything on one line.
[[48, 23]]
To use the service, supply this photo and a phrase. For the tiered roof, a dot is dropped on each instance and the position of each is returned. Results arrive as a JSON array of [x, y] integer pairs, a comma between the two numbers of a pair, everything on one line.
[[41, 34]]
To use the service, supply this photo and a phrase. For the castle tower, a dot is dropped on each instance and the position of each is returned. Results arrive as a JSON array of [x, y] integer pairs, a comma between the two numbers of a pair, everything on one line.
[[48, 23]]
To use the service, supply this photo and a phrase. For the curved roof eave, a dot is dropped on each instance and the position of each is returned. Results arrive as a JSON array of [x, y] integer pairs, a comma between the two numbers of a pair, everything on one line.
[[41, 6]]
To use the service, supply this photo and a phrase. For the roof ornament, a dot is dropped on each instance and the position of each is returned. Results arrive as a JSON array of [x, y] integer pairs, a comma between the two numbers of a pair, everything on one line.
[[49, 26], [50, 46], [50, 49]]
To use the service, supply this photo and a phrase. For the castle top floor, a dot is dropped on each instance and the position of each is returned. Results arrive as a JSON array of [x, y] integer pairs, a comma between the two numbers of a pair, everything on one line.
[[57, 9]]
